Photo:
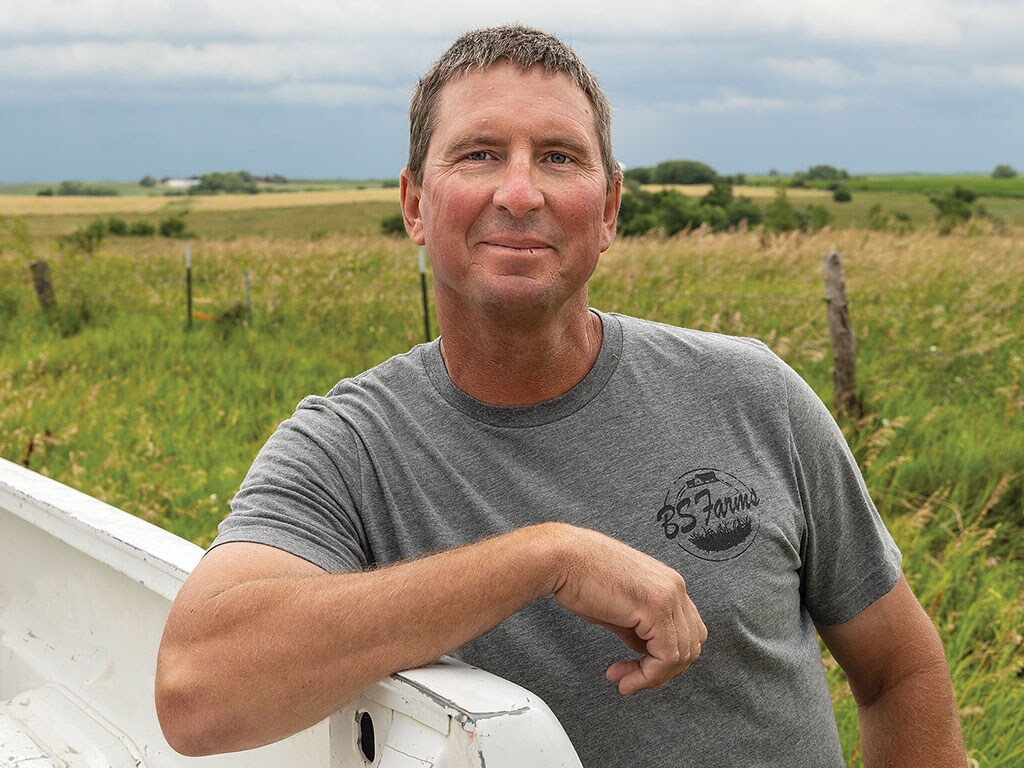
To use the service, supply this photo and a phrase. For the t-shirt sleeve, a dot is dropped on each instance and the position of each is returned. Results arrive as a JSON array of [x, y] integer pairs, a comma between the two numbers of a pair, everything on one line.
[[301, 493], [849, 558]]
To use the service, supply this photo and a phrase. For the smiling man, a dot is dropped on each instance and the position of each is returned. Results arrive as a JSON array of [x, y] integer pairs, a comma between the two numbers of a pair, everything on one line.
[[684, 498]]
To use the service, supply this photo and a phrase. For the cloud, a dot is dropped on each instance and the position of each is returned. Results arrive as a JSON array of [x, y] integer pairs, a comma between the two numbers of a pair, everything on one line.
[[738, 103], [998, 76], [929, 23], [315, 73], [819, 71]]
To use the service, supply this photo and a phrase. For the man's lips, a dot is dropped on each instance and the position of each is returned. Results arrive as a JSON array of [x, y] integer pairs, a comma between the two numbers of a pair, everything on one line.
[[516, 244]]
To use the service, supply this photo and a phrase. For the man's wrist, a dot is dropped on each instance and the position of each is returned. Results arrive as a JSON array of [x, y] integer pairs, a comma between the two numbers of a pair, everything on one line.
[[554, 554]]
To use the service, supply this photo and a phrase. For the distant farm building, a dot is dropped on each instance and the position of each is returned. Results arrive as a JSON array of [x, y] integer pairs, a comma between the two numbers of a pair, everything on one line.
[[180, 183]]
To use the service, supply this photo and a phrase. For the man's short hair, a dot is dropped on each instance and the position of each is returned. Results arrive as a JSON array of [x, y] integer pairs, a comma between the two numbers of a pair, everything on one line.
[[523, 47]]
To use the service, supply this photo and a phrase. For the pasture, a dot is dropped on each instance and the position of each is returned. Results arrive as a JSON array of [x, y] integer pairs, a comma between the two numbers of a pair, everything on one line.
[[114, 396]]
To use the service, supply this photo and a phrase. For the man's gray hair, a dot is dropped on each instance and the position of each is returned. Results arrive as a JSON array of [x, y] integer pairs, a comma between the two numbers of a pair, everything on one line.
[[525, 48]]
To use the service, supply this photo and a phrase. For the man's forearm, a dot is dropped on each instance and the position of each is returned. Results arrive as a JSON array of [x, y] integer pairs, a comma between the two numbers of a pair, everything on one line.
[[268, 657], [914, 723], [260, 644]]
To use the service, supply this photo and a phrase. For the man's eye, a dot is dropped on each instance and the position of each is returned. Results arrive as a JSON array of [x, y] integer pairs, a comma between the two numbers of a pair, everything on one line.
[[558, 158], [480, 154]]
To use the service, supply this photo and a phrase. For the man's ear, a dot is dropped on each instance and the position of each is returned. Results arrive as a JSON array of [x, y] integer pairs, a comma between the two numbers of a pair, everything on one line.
[[410, 196], [610, 215]]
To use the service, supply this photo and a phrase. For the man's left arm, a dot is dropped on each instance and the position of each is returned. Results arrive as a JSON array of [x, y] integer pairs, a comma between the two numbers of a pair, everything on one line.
[[896, 666]]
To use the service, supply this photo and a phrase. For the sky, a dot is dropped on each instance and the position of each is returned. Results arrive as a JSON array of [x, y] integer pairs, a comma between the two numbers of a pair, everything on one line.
[[118, 89]]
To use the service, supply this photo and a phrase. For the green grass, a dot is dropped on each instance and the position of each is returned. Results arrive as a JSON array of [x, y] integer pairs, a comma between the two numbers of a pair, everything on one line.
[[115, 397], [917, 183], [307, 221], [131, 188]]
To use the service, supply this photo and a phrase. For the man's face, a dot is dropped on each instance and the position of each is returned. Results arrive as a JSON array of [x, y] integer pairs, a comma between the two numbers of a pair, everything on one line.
[[514, 207]]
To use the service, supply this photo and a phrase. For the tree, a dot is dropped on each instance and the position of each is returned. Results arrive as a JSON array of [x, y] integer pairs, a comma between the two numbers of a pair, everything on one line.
[[1004, 172], [720, 194], [638, 175], [147, 181], [225, 182], [779, 214], [678, 212], [743, 209], [683, 172], [826, 173]]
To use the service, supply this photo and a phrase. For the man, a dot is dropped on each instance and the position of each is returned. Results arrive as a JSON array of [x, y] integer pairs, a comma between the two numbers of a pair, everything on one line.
[[672, 488]]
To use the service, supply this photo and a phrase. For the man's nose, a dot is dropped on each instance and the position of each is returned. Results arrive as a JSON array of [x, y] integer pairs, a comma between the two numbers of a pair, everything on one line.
[[518, 191]]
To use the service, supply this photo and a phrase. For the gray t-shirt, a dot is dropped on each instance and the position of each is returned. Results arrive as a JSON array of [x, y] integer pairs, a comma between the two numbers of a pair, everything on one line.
[[705, 451]]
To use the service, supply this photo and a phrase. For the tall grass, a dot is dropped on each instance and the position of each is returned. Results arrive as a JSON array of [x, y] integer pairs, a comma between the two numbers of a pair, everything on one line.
[[114, 397]]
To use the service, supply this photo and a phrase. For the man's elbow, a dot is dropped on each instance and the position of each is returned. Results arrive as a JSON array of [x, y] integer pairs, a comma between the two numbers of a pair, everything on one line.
[[189, 724]]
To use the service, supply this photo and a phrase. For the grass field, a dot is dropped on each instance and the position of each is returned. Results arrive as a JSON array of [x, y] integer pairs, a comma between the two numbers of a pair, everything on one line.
[[114, 397], [920, 183], [915, 204], [26, 205], [134, 189]]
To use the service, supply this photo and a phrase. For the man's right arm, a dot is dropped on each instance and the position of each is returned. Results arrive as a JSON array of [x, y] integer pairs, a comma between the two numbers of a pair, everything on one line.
[[260, 644]]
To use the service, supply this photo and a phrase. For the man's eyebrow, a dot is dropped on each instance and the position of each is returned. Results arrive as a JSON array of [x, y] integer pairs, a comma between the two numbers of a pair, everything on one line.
[[471, 142], [570, 144], [573, 145]]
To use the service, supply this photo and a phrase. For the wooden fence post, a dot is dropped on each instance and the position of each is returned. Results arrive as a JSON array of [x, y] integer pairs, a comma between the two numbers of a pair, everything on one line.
[[423, 290], [43, 286], [844, 361]]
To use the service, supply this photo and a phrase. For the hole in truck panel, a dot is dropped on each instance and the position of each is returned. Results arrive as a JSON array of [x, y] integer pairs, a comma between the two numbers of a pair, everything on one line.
[[367, 743]]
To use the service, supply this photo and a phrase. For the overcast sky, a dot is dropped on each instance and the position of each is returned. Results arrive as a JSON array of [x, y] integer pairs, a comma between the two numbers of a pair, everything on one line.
[[116, 89]]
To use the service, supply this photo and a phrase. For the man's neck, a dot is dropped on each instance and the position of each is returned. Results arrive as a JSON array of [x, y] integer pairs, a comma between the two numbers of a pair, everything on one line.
[[521, 361]]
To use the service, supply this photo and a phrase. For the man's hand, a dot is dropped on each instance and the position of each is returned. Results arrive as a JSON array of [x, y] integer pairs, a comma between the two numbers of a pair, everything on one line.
[[641, 600]]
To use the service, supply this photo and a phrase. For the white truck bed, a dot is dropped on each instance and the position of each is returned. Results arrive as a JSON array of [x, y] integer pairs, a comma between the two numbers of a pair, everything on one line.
[[84, 592]]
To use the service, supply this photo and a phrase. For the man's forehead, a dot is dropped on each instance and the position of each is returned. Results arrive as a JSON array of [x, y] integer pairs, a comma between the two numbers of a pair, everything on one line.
[[508, 68]]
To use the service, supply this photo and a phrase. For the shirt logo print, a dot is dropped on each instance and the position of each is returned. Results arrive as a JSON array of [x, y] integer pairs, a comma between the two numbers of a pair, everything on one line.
[[710, 514]]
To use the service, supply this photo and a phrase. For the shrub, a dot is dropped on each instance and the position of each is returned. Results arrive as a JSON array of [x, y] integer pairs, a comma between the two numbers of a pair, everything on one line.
[[951, 210], [894, 221], [141, 228], [640, 224], [117, 226], [720, 194], [677, 212], [72, 188], [841, 194], [744, 209], [779, 214], [147, 181], [85, 239], [1004, 172], [393, 225], [962, 193], [716, 217], [174, 226], [818, 217]]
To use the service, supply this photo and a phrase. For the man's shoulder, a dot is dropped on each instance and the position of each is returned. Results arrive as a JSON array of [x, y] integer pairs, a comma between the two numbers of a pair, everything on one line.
[[390, 386], [398, 371], [704, 344]]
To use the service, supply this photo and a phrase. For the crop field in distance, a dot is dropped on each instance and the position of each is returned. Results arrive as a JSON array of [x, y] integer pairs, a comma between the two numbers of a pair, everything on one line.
[[111, 393]]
